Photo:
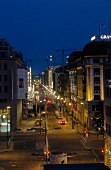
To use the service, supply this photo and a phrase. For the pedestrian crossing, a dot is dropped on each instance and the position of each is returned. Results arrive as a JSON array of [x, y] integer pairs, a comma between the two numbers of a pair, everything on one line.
[[40, 145]]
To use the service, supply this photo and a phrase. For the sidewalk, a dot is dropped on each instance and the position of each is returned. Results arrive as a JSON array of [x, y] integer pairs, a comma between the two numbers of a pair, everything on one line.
[[5, 145], [93, 140]]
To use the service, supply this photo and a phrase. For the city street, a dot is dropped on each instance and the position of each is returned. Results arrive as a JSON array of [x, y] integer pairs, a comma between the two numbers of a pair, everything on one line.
[[61, 138], [20, 160]]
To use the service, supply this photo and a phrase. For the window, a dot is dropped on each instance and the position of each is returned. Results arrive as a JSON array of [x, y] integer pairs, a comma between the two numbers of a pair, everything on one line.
[[5, 89], [96, 97], [106, 91], [96, 89], [108, 129], [3, 54], [3, 100], [110, 93], [108, 110], [5, 66], [96, 71], [96, 80], [108, 73], [5, 77], [96, 60], [95, 108]]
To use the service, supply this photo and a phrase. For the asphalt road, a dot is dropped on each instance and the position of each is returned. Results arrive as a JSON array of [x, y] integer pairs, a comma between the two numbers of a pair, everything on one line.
[[20, 160], [29, 142], [61, 138]]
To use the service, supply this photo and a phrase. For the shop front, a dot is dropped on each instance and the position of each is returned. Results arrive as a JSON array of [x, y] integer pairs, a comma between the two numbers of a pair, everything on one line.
[[5, 120]]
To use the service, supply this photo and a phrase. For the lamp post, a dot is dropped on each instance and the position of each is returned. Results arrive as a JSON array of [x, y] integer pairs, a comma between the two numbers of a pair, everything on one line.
[[7, 132], [61, 104], [46, 140], [8, 110], [40, 114], [36, 107], [64, 107], [37, 97], [83, 113]]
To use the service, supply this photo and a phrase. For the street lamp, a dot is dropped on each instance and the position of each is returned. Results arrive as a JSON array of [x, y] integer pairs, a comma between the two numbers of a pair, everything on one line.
[[46, 140], [36, 99], [40, 114], [36, 107], [83, 113], [64, 107], [61, 105], [8, 111]]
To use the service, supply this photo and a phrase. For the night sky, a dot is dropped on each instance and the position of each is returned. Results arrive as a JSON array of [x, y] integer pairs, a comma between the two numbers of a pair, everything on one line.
[[38, 28]]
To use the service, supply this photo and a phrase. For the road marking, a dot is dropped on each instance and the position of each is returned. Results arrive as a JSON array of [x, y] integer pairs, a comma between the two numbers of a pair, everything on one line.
[[97, 157]]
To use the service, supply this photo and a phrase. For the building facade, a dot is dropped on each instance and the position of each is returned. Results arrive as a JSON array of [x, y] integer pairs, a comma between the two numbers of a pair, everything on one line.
[[87, 88], [10, 84], [107, 109]]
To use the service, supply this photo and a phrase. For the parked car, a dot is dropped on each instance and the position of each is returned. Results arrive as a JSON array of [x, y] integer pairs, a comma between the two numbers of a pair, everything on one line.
[[38, 122], [59, 117], [56, 113], [30, 115], [30, 110]]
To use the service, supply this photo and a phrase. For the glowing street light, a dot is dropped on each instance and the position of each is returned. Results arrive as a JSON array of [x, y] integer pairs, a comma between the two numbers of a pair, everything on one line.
[[8, 111]]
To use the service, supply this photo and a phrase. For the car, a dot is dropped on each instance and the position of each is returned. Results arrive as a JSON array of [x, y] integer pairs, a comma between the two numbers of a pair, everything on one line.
[[63, 122], [30, 110], [59, 117], [38, 122], [56, 113], [30, 115]]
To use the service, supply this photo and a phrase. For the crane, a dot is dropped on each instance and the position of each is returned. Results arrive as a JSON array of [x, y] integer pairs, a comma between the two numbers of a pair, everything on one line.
[[49, 58], [63, 51]]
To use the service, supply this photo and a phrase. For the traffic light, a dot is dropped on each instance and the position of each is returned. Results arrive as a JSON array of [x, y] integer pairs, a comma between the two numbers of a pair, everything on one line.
[[84, 131], [48, 152], [48, 155], [102, 150]]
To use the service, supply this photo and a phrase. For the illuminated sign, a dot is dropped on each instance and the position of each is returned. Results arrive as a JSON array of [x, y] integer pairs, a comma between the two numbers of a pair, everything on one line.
[[93, 38], [102, 37], [105, 36], [21, 83]]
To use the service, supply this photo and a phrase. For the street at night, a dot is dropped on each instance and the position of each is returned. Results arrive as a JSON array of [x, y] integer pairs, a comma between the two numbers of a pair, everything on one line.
[[61, 138]]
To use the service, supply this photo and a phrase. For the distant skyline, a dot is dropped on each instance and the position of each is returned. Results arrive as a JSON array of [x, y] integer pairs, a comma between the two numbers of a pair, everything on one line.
[[38, 28]]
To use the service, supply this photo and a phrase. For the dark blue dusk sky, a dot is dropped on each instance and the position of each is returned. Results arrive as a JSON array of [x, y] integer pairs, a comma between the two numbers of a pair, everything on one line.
[[38, 28]]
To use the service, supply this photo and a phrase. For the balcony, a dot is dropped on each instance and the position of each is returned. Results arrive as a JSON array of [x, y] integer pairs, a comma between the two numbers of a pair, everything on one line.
[[96, 91], [96, 73], [96, 82]]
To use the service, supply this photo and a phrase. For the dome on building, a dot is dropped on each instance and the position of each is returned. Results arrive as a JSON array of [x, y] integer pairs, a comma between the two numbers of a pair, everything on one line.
[[97, 48]]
